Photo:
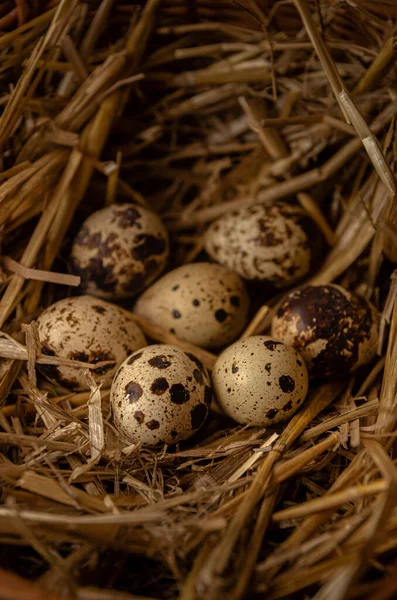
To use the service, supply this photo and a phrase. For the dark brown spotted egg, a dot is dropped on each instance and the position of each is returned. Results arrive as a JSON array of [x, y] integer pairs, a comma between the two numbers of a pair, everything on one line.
[[160, 395], [262, 242], [335, 331], [260, 381], [90, 330], [202, 303], [119, 251]]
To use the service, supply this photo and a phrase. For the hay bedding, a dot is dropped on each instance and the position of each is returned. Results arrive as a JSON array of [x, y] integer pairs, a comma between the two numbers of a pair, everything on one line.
[[196, 108]]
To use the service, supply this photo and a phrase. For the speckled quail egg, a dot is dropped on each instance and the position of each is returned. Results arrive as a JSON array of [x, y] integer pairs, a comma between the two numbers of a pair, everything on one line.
[[262, 242], [260, 381], [202, 303], [334, 330], [160, 395], [119, 251], [90, 330]]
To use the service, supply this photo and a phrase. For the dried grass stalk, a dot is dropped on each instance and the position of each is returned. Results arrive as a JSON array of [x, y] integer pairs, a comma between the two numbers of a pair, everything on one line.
[[95, 420]]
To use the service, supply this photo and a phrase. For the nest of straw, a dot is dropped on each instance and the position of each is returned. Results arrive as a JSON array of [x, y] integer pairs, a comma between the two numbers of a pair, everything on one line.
[[195, 108]]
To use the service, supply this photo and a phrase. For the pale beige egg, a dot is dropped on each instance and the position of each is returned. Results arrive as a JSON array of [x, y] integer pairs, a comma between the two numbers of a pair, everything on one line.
[[160, 395], [202, 303], [260, 381], [90, 330], [262, 242]]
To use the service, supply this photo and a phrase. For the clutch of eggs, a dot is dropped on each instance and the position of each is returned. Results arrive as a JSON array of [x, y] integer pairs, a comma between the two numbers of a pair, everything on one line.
[[262, 242], [160, 395], [260, 381], [335, 331], [202, 303], [119, 251], [90, 330]]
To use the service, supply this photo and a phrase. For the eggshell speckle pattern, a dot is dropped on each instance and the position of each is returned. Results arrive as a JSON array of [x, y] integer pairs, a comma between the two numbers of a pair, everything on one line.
[[90, 330], [334, 330], [119, 250], [261, 243], [202, 303], [160, 395], [260, 381]]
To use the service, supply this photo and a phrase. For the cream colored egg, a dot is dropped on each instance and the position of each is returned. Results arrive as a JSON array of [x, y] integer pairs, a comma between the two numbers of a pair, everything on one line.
[[334, 330], [119, 251], [261, 242], [90, 330], [202, 303], [160, 395], [260, 381]]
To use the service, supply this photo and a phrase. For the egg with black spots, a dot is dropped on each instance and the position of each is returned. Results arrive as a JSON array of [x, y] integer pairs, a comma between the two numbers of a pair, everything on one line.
[[202, 303], [89, 330], [119, 251], [334, 330], [262, 242], [160, 395], [260, 381]]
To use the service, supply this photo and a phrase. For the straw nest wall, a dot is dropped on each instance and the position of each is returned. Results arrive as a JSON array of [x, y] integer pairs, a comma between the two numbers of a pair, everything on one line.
[[195, 108]]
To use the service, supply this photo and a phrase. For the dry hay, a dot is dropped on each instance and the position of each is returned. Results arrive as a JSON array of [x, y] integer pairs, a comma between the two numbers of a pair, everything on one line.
[[196, 108]]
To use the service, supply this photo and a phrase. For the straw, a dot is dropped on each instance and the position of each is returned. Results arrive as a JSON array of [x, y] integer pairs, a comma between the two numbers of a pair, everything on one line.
[[194, 110]]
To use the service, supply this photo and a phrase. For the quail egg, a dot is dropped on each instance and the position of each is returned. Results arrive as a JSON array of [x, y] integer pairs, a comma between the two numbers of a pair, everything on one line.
[[262, 242], [119, 251], [334, 330], [260, 381], [160, 395], [202, 303], [90, 330]]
